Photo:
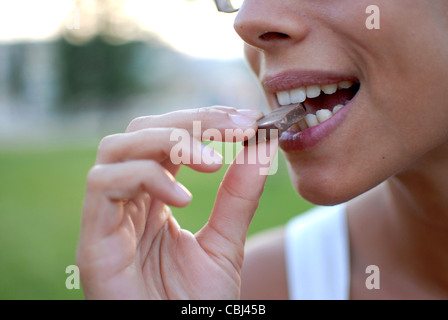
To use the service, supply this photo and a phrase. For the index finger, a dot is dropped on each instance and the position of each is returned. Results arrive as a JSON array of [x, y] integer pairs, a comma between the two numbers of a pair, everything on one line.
[[218, 117]]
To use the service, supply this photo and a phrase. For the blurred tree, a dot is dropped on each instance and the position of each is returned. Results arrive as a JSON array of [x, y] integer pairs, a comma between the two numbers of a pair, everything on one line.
[[105, 18], [99, 74], [16, 73], [97, 60]]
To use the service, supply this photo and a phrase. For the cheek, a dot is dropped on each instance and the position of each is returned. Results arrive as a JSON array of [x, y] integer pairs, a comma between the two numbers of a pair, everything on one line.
[[253, 58], [410, 116]]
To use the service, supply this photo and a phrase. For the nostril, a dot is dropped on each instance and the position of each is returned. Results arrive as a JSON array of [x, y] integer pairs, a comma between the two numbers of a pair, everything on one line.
[[269, 36]]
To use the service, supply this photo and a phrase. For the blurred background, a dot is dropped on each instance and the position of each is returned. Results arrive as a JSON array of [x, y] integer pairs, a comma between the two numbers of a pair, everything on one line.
[[74, 71]]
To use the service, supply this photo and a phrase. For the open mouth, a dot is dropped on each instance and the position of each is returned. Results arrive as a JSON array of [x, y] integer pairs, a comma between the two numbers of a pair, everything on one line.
[[321, 102]]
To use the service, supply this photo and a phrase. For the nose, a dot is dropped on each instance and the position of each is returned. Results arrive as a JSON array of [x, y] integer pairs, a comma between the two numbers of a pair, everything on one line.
[[271, 24]]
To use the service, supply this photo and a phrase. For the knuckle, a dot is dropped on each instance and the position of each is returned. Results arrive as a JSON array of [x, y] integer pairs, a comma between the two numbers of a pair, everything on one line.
[[95, 177], [167, 135], [206, 112], [156, 170], [139, 123], [107, 146], [235, 193], [150, 175], [225, 108], [134, 124], [150, 166], [212, 116], [107, 142]]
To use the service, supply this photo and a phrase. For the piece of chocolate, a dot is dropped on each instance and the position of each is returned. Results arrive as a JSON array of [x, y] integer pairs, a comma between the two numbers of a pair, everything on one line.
[[281, 119]]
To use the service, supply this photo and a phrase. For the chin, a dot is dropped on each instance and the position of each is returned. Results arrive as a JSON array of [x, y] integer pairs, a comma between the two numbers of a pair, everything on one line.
[[325, 190]]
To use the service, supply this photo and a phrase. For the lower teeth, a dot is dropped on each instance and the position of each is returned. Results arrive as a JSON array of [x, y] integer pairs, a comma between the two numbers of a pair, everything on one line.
[[337, 108], [312, 120], [302, 125]]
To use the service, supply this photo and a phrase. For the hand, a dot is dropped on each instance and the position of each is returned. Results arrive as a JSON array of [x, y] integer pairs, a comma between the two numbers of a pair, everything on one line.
[[131, 247]]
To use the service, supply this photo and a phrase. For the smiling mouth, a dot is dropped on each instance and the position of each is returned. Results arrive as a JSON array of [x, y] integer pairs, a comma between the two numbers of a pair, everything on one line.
[[321, 102]]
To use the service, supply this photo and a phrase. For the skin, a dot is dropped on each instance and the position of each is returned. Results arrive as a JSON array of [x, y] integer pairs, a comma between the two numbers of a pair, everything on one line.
[[387, 159], [130, 245], [389, 135]]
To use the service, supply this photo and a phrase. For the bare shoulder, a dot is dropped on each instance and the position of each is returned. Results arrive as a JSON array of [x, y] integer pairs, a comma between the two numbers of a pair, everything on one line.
[[264, 269]]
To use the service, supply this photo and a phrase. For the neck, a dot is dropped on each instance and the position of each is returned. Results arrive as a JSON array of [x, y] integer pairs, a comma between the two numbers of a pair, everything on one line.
[[417, 215], [420, 192]]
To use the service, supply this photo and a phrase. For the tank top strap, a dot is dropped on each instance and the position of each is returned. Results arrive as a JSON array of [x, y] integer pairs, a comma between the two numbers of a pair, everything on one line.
[[318, 255]]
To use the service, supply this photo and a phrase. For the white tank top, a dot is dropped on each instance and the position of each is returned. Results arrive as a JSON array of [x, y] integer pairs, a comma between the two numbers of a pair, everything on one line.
[[318, 255]]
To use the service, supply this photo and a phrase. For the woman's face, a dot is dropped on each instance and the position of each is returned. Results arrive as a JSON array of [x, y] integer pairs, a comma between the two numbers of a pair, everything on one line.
[[395, 109]]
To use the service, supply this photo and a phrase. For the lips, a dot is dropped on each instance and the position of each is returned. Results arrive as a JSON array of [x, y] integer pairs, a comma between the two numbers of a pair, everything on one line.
[[326, 97]]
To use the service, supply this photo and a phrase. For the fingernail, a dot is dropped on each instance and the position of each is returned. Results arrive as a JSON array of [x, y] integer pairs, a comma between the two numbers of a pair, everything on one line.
[[243, 121], [183, 192]]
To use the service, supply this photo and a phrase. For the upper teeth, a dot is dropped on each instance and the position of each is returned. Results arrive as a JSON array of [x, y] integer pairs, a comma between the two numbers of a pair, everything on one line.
[[299, 95]]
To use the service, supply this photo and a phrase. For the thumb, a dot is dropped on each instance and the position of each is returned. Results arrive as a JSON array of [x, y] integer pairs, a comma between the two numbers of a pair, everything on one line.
[[237, 199]]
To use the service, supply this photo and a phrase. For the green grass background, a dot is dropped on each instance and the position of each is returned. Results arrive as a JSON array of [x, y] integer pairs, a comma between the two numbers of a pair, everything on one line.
[[41, 195]]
